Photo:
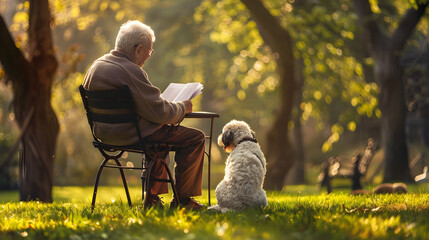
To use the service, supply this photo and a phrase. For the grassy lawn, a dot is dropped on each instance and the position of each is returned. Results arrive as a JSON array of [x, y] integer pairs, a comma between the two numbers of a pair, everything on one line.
[[299, 212]]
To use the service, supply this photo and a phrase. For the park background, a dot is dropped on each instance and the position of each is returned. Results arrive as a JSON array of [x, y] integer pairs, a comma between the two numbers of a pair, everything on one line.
[[331, 110]]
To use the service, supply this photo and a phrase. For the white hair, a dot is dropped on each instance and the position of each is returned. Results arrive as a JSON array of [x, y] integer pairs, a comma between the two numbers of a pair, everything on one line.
[[132, 33]]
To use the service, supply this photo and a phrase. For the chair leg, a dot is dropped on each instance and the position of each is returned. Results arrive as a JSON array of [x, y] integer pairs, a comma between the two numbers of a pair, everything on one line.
[[326, 181], [356, 173], [173, 186], [328, 185], [97, 179], [356, 182], [157, 153], [124, 181], [143, 178], [147, 183]]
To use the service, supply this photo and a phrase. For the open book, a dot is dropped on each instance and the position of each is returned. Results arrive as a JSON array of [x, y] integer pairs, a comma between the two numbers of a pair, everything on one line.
[[182, 91]]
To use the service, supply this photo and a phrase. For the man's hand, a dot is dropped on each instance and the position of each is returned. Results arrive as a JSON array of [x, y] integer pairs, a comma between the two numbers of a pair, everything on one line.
[[188, 106]]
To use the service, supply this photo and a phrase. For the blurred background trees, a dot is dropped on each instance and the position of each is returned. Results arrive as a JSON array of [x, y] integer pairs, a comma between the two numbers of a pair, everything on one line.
[[30, 70], [385, 46], [335, 105]]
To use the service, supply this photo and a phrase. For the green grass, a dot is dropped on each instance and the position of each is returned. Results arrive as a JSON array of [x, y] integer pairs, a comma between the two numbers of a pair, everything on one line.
[[299, 212]]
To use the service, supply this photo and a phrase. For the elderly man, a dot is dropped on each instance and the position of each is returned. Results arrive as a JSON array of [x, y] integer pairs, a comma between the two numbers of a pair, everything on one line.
[[158, 117]]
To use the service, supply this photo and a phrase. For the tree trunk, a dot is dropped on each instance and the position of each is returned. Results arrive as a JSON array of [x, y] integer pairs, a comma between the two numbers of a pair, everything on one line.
[[394, 111], [389, 73], [425, 125], [32, 82], [299, 166], [279, 152]]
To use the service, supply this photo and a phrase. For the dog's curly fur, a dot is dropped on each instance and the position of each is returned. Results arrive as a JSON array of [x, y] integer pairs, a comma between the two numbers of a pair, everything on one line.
[[241, 188]]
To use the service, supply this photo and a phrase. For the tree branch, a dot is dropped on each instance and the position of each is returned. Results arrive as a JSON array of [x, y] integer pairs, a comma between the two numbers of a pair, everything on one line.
[[371, 29], [12, 59], [270, 25], [406, 26], [24, 128]]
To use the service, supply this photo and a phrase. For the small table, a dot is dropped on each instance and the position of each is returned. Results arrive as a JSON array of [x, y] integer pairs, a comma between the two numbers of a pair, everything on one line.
[[211, 116]]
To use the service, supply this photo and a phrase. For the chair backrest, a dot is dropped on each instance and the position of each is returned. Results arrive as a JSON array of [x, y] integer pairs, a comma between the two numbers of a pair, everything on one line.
[[369, 153], [109, 106]]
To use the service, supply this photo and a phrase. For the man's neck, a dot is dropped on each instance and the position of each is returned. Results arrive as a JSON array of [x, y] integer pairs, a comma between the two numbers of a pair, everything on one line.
[[122, 53]]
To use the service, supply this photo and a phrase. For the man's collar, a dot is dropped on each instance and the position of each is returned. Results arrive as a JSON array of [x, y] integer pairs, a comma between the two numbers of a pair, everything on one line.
[[119, 53]]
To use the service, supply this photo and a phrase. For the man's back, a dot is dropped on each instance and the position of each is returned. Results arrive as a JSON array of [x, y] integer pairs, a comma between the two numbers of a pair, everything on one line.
[[115, 70]]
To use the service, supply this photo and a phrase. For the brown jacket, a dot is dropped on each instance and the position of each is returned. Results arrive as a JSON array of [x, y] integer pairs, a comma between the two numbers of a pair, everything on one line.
[[115, 70]]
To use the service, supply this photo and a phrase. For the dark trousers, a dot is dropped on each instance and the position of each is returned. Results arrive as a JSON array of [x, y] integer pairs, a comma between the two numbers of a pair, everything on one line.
[[189, 144]]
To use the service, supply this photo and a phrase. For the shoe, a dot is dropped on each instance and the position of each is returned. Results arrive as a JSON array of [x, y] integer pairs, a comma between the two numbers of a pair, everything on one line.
[[154, 201], [191, 205]]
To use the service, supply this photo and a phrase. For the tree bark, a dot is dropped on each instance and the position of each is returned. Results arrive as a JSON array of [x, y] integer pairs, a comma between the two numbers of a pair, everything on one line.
[[389, 73], [299, 166], [279, 152], [425, 128], [32, 84], [394, 111]]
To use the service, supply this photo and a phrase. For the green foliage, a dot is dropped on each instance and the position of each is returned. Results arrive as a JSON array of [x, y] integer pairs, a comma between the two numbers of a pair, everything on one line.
[[8, 135], [250, 80], [290, 215], [335, 91], [92, 25]]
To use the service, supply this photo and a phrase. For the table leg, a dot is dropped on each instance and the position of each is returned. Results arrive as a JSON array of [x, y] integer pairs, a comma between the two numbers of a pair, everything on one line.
[[209, 158]]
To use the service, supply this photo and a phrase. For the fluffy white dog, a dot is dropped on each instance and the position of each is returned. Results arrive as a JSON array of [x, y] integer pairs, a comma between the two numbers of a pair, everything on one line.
[[241, 188]]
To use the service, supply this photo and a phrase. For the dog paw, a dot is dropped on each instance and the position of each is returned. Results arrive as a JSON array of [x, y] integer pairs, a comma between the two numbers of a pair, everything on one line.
[[218, 208]]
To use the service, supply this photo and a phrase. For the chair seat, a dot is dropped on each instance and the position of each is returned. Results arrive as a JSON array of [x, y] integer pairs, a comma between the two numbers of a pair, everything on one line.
[[112, 148], [136, 148]]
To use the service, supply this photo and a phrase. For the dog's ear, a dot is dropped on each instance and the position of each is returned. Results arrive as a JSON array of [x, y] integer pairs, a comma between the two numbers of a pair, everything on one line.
[[227, 138], [253, 134], [219, 140]]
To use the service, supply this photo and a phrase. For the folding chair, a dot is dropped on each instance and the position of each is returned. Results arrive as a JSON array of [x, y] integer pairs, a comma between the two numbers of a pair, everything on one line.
[[117, 107]]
